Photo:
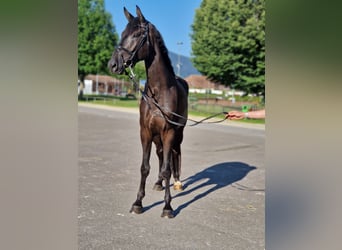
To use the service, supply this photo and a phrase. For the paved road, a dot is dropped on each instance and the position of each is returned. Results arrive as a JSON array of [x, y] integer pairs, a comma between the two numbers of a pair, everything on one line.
[[222, 206]]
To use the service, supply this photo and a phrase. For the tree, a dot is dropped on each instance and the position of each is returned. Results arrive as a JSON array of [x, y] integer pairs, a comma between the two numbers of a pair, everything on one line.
[[228, 43], [96, 38]]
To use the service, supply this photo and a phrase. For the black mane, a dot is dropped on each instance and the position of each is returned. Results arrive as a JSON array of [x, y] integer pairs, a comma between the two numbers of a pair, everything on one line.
[[164, 51]]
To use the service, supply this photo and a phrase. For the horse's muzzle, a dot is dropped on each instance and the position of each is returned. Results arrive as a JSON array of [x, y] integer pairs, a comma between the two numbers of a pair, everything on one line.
[[116, 64]]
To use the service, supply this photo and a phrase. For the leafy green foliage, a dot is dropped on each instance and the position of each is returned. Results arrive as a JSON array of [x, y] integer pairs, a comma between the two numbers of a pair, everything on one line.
[[228, 43], [96, 38]]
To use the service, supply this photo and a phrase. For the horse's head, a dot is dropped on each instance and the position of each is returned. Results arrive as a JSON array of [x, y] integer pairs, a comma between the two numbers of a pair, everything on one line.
[[134, 43]]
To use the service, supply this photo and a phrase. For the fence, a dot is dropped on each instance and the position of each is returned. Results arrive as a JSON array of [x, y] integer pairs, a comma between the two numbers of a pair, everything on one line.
[[212, 107], [96, 98]]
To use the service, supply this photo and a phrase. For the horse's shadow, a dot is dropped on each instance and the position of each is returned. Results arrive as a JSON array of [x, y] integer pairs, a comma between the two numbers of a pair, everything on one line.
[[218, 176]]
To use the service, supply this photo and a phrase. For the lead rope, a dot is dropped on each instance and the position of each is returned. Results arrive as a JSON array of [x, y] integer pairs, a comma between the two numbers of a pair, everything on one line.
[[131, 75]]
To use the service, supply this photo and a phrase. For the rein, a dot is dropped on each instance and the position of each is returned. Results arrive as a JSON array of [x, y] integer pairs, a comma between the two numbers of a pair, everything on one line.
[[131, 75]]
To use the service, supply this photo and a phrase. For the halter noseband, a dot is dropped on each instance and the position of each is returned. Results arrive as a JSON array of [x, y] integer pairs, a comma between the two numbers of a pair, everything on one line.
[[132, 54]]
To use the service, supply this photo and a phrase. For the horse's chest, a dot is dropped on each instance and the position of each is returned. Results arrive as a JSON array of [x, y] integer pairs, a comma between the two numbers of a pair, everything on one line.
[[156, 122]]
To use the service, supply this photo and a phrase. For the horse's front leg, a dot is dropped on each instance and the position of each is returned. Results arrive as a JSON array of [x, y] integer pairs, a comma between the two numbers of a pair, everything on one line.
[[146, 142], [165, 173]]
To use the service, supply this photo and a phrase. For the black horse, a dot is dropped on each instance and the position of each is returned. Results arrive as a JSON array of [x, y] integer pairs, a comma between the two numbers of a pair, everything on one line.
[[163, 107]]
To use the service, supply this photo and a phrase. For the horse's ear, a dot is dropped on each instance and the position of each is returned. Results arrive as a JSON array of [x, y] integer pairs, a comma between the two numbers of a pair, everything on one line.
[[128, 15], [140, 15]]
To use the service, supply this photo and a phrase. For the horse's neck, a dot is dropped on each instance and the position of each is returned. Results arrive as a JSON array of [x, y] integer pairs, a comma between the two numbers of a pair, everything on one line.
[[160, 75]]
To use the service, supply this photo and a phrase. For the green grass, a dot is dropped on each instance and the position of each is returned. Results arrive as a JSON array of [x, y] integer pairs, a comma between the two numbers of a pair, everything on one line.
[[120, 103], [253, 121], [112, 101]]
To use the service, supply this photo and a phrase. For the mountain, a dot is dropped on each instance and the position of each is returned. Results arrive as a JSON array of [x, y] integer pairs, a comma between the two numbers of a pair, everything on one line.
[[186, 68]]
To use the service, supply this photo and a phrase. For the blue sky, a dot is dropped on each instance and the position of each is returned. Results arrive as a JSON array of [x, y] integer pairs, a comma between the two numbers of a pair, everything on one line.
[[173, 19]]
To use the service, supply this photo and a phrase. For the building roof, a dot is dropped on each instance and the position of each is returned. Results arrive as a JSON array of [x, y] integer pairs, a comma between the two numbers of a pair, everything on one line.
[[194, 81], [202, 82]]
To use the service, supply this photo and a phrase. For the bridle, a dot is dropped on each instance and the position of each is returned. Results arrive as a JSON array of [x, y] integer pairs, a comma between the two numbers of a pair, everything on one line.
[[132, 54]]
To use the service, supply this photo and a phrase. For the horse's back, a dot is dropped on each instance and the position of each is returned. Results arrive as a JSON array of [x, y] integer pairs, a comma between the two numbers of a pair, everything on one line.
[[183, 91], [183, 84]]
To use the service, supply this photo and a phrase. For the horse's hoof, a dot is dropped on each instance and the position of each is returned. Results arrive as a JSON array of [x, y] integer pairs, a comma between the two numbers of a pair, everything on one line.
[[158, 187], [167, 214], [178, 186], [136, 209]]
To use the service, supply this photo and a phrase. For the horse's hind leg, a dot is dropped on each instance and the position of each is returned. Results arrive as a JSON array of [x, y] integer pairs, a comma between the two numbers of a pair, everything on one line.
[[158, 186], [176, 161], [145, 170], [176, 168]]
